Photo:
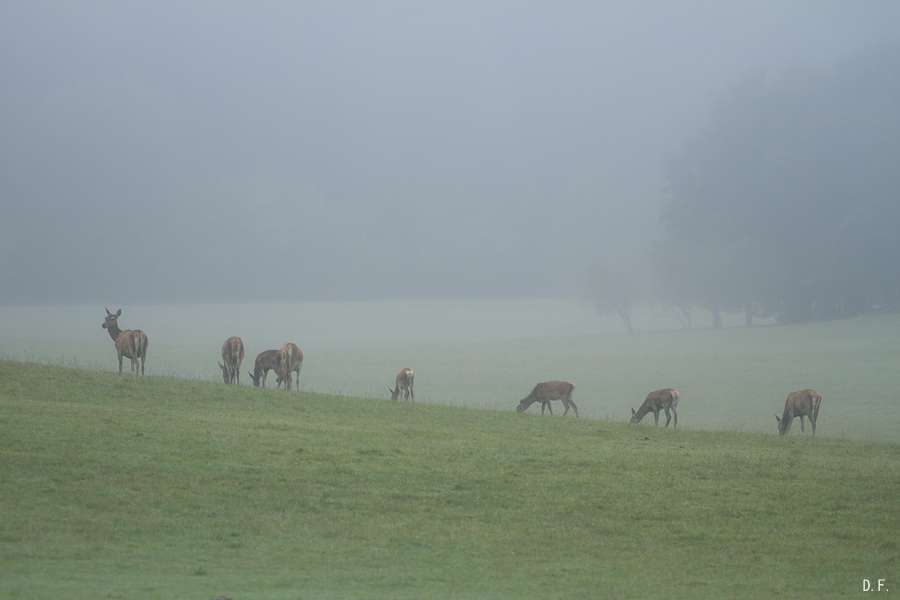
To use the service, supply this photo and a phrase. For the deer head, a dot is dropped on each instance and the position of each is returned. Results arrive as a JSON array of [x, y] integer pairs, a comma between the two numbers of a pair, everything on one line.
[[111, 320], [256, 376], [634, 417], [395, 393]]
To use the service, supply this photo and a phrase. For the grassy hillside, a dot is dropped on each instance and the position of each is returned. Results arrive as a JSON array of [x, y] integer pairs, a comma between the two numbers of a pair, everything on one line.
[[161, 488], [731, 380]]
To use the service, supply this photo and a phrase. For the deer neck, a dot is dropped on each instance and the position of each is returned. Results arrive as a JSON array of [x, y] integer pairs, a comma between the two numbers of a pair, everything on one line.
[[786, 417], [114, 331]]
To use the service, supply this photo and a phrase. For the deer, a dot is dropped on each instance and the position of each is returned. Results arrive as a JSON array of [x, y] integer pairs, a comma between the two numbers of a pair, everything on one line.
[[546, 392], [232, 357], [129, 342], [403, 383], [290, 360], [267, 360], [665, 399], [803, 403]]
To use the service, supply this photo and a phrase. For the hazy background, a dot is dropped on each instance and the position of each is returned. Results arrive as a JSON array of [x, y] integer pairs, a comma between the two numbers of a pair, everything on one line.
[[494, 193], [222, 151]]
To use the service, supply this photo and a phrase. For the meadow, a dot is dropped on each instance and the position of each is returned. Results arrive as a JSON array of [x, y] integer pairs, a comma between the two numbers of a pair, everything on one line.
[[116, 487], [488, 354]]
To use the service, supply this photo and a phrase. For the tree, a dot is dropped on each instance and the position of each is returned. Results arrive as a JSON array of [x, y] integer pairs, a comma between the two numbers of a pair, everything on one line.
[[786, 202], [615, 288]]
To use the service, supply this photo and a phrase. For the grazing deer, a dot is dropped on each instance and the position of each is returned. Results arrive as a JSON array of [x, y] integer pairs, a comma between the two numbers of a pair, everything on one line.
[[665, 399], [404, 383], [290, 360], [267, 360], [232, 357], [804, 403], [129, 342], [546, 392]]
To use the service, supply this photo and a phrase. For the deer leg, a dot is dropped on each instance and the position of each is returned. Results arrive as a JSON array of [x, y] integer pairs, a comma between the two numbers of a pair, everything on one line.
[[574, 406], [656, 417], [550, 407], [120, 364], [668, 417], [801, 424], [265, 374], [675, 412], [813, 423], [412, 393]]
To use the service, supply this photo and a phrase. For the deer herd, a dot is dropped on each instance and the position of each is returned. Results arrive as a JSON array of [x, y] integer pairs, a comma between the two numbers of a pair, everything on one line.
[[287, 361]]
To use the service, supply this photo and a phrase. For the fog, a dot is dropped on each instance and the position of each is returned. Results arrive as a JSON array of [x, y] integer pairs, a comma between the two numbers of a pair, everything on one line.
[[218, 152]]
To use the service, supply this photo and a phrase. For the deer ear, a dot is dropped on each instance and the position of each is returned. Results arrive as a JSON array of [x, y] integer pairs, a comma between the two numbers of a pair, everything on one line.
[[777, 418], [119, 313], [632, 411], [107, 311], [221, 366]]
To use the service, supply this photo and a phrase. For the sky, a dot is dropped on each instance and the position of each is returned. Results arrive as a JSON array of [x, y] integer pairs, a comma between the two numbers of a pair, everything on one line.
[[157, 152]]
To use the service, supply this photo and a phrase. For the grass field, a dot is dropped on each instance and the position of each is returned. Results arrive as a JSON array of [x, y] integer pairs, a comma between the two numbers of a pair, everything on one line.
[[489, 354], [112, 487]]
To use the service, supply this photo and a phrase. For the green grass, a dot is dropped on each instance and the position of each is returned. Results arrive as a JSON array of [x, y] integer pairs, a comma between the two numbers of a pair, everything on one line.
[[112, 487]]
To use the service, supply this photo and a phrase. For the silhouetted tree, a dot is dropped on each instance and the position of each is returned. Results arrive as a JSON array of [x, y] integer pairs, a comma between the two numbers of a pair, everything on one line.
[[615, 288]]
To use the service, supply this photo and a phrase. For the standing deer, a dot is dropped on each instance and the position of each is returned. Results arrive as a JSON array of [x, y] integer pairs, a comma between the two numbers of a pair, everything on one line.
[[404, 383], [232, 357], [665, 399], [290, 360], [129, 342], [546, 392], [804, 403], [267, 360]]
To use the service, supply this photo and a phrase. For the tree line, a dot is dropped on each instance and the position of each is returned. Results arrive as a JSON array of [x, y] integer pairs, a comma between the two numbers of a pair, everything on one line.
[[786, 204]]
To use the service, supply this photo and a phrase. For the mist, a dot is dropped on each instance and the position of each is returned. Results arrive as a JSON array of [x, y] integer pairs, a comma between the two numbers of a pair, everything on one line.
[[316, 151]]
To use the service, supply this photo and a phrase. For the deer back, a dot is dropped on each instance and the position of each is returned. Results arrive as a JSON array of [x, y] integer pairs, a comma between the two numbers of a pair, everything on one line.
[[132, 343], [289, 357], [551, 390], [404, 378], [661, 399], [295, 355], [233, 352], [802, 402], [266, 360]]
